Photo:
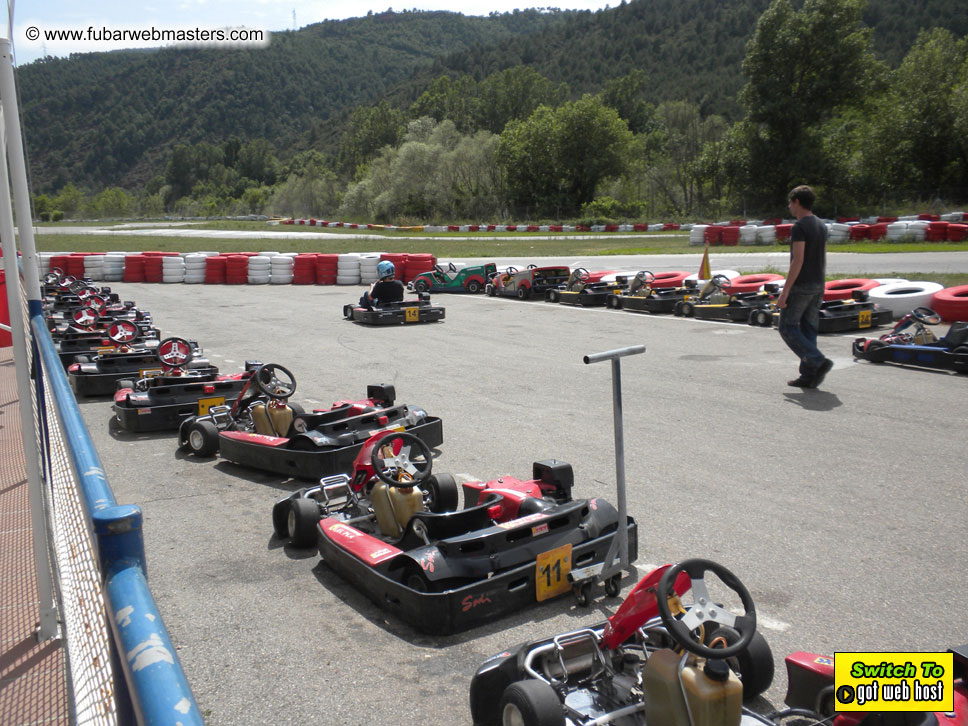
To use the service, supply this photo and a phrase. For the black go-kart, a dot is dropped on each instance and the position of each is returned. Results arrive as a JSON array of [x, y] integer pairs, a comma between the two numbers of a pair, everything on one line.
[[405, 312], [98, 375], [262, 430], [172, 392], [661, 659], [388, 528], [713, 302], [913, 343], [580, 291], [838, 316], [643, 296]]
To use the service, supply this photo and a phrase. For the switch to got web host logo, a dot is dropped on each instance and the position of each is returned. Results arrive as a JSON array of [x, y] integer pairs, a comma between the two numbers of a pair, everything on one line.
[[894, 681]]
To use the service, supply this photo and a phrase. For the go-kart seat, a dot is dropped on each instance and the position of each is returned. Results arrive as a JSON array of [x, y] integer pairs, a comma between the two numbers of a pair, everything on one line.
[[444, 525], [957, 335]]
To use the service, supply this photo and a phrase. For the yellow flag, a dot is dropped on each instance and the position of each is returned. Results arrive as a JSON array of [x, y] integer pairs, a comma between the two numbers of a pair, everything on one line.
[[704, 273]]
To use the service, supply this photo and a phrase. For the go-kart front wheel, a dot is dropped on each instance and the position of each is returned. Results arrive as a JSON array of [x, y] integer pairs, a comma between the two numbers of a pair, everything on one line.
[[531, 703], [301, 522], [444, 494], [202, 438], [754, 665]]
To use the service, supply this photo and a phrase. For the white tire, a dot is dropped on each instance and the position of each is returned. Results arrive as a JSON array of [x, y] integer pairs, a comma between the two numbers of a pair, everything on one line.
[[902, 297], [258, 279], [347, 280]]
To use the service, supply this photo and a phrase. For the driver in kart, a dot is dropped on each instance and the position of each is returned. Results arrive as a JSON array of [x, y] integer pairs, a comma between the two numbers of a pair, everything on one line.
[[385, 289]]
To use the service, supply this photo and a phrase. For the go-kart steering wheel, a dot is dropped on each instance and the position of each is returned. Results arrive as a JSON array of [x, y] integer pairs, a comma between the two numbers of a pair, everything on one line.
[[54, 276], [84, 316], [582, 273], [96, 303], [645, 277], [174, 352], [703, 610], [438, 269], [451, 267], [77, 286], [405, 471], [511, 270], [274, 381], [123, 331], [926, 316], [719, 281]]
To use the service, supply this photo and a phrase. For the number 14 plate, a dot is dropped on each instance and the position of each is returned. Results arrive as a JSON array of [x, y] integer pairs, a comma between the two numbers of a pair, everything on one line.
[[551, 573]]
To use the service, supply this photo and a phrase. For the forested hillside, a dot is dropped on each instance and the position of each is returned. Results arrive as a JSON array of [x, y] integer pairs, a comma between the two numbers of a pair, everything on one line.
[[100, 119], [671, 108]]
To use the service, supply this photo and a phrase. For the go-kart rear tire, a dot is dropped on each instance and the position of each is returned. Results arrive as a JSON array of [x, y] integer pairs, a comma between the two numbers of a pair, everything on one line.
[[202, 438], [764, 319], [421, 286], [523, 293], [444, 494], [688, 310], [302, 521], [531, 703], [489, 290], [473, 287], [753, 665], [677, 309]]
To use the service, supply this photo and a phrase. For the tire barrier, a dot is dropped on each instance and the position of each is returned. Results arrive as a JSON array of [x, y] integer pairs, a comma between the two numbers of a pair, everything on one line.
[[844, 289], [750, 283], [902, 297], [951, 303]]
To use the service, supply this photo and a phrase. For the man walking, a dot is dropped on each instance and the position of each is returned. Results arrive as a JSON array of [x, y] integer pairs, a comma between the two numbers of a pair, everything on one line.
[[799, 303]]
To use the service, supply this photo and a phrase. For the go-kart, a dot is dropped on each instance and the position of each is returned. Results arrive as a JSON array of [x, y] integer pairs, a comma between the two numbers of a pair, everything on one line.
[[657, 660], [580, 290], [714, 303], [388, 529], [523, 284], [167, 395], [466, 279], [93, 316], [262, 430], [644, 296], [419, 310], [912, 343], [838, 316], [98, 375]]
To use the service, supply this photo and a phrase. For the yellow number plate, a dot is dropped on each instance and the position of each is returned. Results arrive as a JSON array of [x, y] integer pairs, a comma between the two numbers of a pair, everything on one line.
[[412, 315], [551, 572], [204, 404], [864, 319], [149, 372]]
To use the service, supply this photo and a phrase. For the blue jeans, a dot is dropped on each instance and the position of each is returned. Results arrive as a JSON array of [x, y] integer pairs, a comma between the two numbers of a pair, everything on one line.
[[799, 322]]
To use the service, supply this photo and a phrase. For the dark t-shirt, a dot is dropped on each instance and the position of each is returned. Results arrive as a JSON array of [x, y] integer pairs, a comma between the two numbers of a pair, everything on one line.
[[813, 233], [387, 291]]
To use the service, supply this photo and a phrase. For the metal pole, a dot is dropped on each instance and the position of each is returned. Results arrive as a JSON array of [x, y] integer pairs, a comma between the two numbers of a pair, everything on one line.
[[11, 149], [615, 356]]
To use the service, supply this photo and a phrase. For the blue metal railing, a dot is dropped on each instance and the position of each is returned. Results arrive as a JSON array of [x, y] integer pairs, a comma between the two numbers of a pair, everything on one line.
[[153, 677]]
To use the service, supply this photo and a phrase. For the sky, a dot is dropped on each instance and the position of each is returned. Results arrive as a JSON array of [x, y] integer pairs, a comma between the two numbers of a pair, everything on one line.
[[99, 25]]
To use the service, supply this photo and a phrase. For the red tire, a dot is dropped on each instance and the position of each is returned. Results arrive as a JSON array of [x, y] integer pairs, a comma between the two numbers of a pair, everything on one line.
[[673, 278], [750, 283], [951, 303], [843, 289]]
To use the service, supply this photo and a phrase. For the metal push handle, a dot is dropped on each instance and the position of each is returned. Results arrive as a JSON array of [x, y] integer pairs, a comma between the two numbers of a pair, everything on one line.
[[613, 354]]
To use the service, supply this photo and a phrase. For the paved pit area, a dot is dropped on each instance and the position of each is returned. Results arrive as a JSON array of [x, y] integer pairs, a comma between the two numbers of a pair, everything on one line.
[[842, 509]]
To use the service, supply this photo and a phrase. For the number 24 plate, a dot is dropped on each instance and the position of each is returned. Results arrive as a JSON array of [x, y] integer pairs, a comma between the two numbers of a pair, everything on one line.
[[551, 573]]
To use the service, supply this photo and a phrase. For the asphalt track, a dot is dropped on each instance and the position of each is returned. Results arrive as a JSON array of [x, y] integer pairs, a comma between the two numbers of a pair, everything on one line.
[[842, 509]]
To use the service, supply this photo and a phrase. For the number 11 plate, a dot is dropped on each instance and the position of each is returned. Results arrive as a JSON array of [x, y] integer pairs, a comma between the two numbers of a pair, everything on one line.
[[551, 573]]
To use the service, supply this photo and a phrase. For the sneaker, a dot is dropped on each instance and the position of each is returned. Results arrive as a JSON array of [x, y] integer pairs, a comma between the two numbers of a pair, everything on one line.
[[801, 382], [821, 373]]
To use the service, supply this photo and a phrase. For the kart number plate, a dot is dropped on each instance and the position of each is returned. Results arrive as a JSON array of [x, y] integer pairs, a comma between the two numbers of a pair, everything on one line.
[[864, 319], [551, 573], [149, 372], [412, 315], [108, 349], [205, 404]]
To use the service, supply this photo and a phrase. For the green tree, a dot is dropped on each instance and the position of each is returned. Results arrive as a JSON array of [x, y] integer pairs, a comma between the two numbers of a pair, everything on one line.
[[555, 159], [370, 128], [801, 65], [627, 96]]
